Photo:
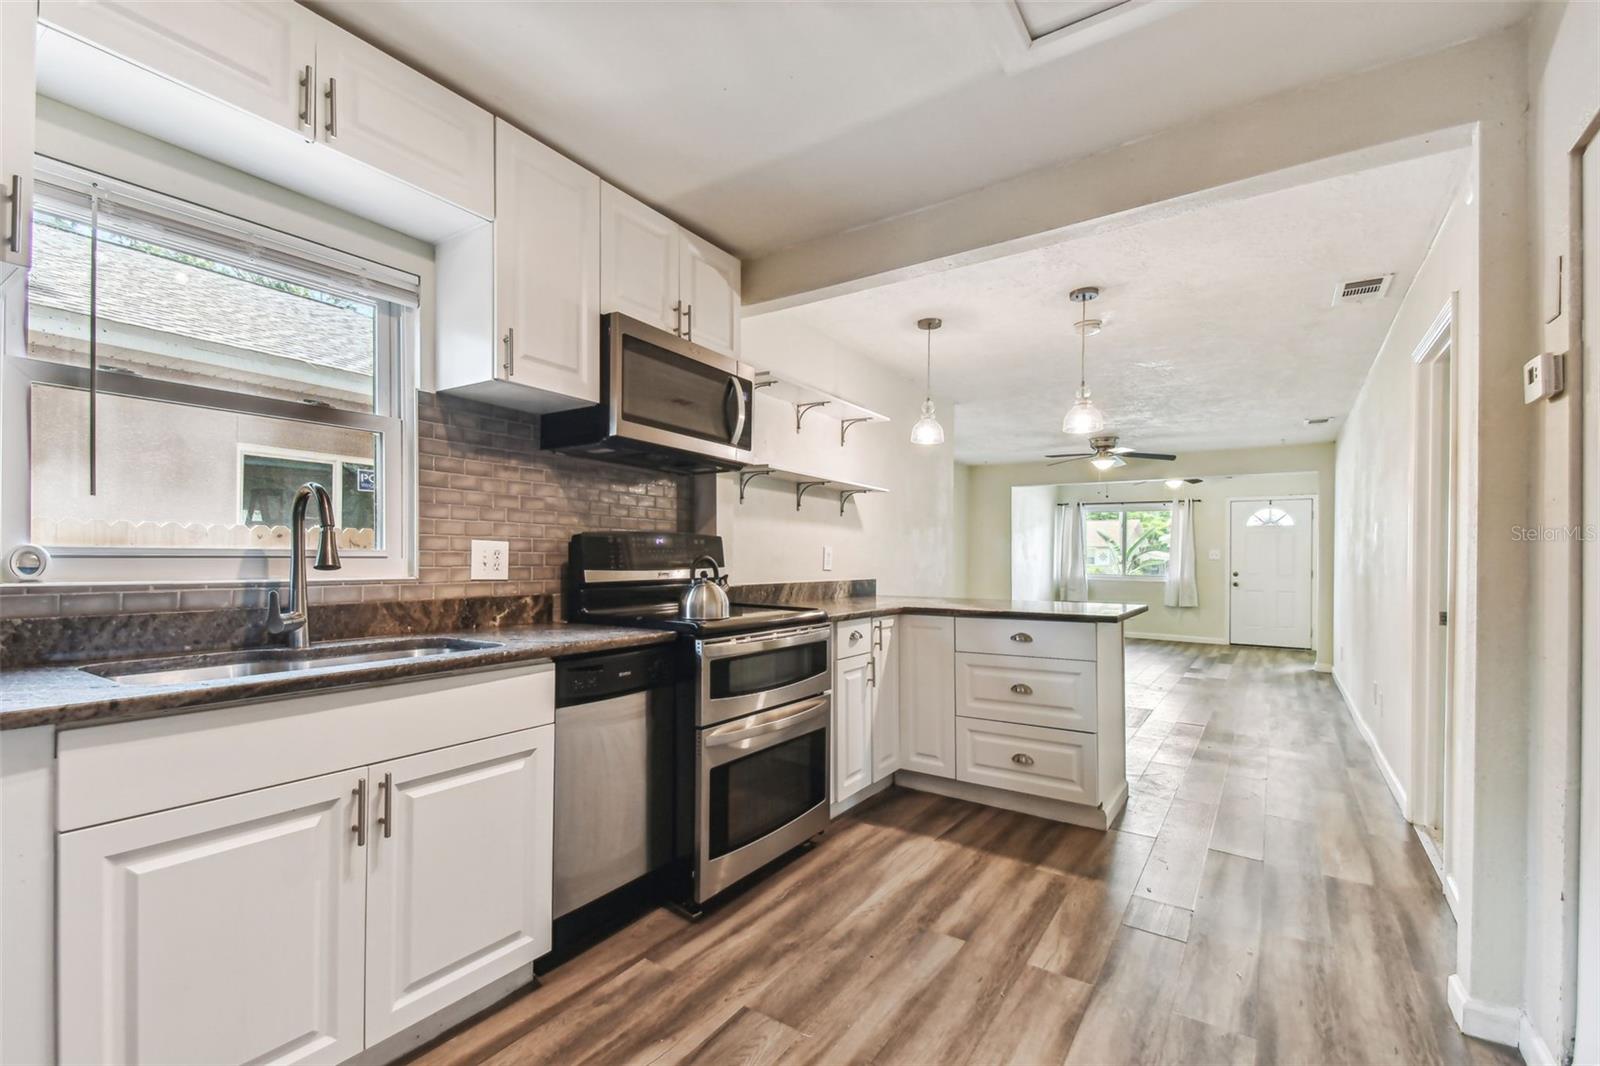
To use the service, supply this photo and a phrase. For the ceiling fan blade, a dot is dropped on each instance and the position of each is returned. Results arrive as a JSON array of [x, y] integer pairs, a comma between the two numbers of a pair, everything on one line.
[[1129, 453], [1070, 459], [1071, 455]]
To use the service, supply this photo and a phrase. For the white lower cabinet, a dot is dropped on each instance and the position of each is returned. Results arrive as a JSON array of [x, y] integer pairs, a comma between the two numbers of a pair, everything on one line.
[[927, 694], [307, 921], [1052, 763], [886, 701], [227, 931], [852, 726], [458, 873]]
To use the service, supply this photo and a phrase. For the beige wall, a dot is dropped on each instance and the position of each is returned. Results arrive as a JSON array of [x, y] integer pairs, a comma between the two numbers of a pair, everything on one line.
[[906, 538], [1302, 469], [1564, 86]]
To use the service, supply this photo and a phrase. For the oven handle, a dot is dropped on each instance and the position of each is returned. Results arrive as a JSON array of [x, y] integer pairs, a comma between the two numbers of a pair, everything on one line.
[[764, 730], [740, 646]]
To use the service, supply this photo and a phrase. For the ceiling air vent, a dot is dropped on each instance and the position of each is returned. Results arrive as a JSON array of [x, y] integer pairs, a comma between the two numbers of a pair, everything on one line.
[[1362, 289]]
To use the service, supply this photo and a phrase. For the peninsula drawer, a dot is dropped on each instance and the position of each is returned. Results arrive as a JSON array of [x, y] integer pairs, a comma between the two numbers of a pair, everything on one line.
[[852, 638], [1020, 636], [1054, 693], [1052, 763]]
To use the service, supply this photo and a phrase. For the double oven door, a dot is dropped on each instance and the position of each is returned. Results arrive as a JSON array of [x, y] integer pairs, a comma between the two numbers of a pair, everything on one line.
[[761, 773]]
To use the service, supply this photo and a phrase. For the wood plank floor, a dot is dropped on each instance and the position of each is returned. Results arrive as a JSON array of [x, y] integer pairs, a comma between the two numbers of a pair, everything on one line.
[[1261, 901]]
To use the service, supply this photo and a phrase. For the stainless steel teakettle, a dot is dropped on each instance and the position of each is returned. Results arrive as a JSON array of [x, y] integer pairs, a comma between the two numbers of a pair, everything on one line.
[[705, 600]]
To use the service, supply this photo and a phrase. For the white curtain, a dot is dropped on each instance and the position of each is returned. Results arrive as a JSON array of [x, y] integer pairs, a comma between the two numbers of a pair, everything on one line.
[[1071, 579], [1180, 585]]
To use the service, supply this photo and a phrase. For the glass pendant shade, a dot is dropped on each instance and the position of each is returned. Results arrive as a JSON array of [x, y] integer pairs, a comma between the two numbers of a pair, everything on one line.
[[1083, 418], [1107, 462], [927, 429]]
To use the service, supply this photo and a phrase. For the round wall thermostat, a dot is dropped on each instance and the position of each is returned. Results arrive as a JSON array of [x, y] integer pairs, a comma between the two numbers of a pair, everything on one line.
[[28, 562]]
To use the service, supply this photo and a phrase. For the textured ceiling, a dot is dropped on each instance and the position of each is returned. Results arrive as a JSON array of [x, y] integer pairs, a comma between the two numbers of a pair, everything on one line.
[[766, 124], [1219, 329]]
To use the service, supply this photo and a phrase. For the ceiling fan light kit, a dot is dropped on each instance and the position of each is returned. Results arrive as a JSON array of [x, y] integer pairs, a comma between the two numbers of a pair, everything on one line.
[[927, 430]]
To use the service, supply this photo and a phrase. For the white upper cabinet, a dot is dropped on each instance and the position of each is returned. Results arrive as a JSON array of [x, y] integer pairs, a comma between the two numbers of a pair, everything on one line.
[[546, 268], [226, 931], [376, 109], [458, 873], [259, 57], [654, 270], [708, 281], [16, 135], [639, 261]]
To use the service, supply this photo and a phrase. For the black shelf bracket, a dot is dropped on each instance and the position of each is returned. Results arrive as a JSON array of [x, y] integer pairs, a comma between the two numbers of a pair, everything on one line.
[[746, 478], [845, 494], [800, 410], [800, 489], [846, 423]]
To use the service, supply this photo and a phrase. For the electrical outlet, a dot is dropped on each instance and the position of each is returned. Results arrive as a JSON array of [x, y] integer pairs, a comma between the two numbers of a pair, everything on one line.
[[827, 557], [491, 560]]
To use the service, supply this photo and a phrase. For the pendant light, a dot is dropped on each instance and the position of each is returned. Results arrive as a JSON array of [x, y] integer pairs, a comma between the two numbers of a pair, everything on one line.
[[1083, 418], [928, 430]]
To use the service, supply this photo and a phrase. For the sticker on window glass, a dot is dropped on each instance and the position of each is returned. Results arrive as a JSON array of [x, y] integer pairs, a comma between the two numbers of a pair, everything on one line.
[[366, 480]]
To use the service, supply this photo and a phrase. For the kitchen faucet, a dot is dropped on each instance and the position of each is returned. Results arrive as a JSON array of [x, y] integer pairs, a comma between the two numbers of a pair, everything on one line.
[[293, 621]]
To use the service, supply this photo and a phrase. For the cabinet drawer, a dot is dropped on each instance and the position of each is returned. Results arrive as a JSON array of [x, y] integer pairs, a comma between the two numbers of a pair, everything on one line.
[[1051, 763], [1020, 636], [1055, 693], [852, 638]]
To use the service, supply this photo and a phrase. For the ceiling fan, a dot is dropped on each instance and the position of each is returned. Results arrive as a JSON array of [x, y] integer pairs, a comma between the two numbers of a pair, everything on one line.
[[1106, 455]]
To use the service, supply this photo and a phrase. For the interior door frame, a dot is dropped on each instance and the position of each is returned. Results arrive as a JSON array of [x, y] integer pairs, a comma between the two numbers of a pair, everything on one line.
[[1586, 1035], [1227, 606], [1432, 532]]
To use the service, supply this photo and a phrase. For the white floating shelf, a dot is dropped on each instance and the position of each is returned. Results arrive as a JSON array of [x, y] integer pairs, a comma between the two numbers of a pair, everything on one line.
[[807, 398], [804, 482]]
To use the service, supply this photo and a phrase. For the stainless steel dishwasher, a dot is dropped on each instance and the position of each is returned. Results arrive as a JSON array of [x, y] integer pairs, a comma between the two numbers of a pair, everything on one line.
[[614, 783]]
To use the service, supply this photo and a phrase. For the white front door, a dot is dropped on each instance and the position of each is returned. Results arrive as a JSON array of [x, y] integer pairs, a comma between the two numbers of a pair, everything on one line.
[[1270, 572]]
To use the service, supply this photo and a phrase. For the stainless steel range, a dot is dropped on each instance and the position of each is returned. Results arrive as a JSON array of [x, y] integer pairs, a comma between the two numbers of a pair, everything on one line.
[[754, 707]]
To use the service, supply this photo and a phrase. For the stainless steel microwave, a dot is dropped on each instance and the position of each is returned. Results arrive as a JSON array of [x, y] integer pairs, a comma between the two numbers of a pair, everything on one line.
[[665, 403]]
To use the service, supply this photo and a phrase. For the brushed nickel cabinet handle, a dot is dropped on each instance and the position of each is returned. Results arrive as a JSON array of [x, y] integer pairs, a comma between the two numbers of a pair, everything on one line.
[[677, 319], [305, 96], [333, 109], [510, 363], [360, 828], [1022, 690], [14, 208], [1022, 638], [877, 635], [872, 671], [688, 322], [855, 635], [386, 789], [1022, 760]]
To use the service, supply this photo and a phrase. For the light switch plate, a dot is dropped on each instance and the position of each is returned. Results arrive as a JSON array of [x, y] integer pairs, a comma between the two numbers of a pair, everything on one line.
[[827, 557], [491, 560]]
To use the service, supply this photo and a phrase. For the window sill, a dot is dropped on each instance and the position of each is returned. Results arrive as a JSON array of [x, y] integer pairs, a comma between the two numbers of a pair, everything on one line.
[[1139, 580]]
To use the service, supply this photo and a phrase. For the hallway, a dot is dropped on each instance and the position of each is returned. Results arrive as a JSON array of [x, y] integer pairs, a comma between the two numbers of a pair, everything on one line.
[[1261, 901]]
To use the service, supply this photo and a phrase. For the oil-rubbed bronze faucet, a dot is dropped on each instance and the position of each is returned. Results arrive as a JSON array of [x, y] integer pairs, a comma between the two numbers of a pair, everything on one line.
[[293, 621]]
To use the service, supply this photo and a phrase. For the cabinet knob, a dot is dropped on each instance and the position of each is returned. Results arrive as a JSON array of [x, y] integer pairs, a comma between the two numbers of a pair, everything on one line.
[[1022, 760], [855, 635], [1022, 690], [1022, 638]]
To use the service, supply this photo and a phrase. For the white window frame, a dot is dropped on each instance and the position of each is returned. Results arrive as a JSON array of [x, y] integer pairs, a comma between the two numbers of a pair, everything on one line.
[[1124, 508], [394, 393]]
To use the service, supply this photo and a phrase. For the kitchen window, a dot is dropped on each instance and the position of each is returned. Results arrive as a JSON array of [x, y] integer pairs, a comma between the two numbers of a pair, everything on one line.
[[1127, 540], [230, 363]]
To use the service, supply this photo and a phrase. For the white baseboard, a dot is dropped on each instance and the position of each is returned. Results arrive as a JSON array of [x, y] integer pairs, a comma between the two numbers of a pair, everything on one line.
[[1447, 884], [1535, 1052], [1176, 638], [1493, 1022], [1322, 668], [1390, 778]]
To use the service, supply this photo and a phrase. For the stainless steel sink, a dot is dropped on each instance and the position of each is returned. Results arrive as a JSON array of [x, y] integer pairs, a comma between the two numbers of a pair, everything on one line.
[[220, 666]]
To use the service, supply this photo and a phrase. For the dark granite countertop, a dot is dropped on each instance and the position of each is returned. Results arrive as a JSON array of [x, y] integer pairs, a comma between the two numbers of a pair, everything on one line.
[[846, 608], [67, 695]]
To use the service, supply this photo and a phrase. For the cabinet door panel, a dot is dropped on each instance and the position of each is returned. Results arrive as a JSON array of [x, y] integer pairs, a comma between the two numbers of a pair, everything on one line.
[[547, 267], [852, 726], [227, 931], [459, 876], [375, 109], [927, 694], [1052, 763], [639, 261], [252, 55], [1055, 693], [709, 284], [16, 135], [886, 701]]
